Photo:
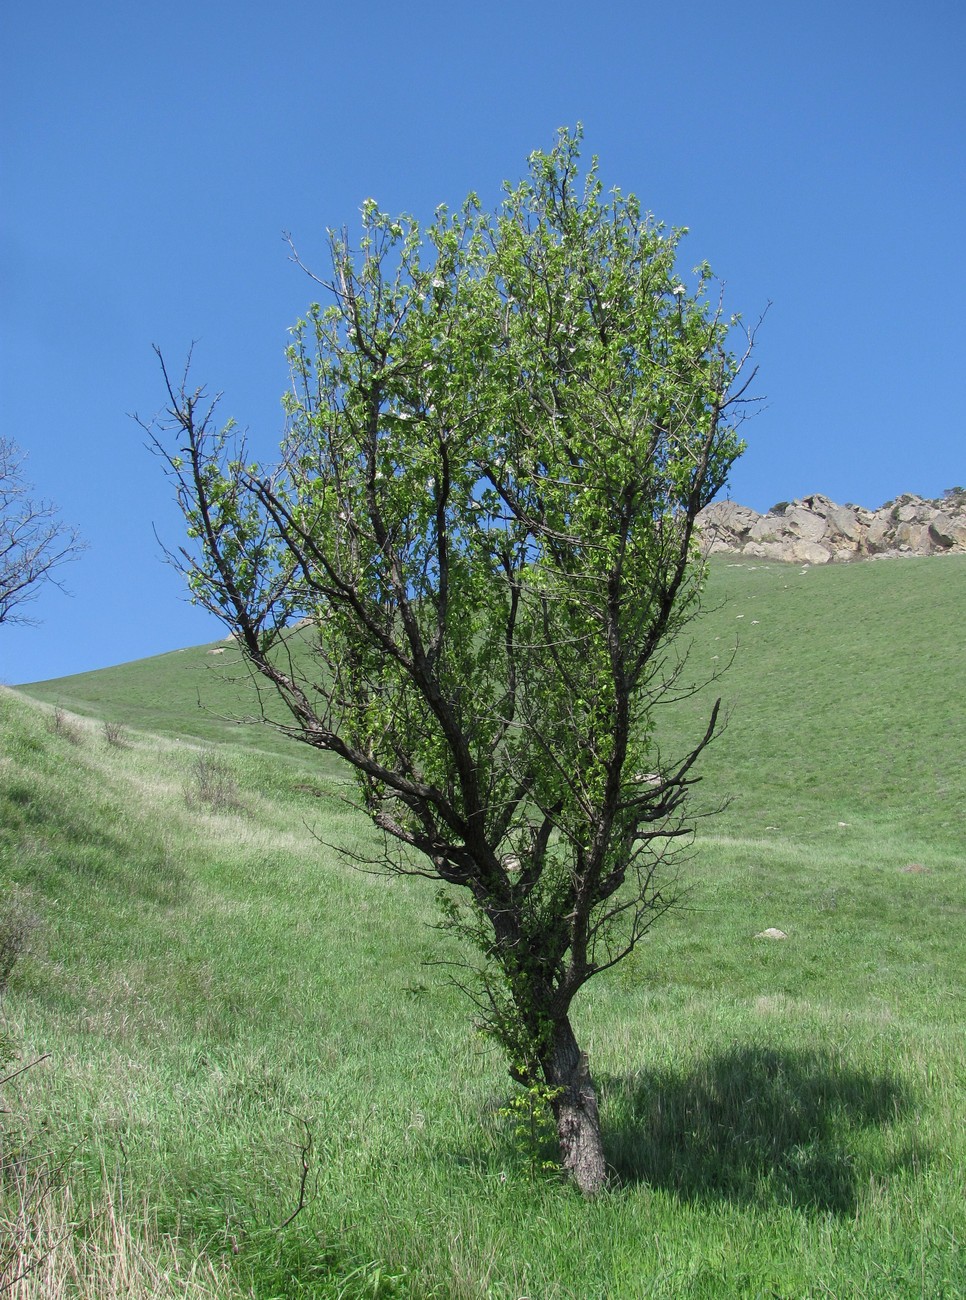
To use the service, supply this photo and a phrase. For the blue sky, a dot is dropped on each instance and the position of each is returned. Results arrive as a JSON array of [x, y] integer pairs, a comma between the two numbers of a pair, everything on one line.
[[151, 157]]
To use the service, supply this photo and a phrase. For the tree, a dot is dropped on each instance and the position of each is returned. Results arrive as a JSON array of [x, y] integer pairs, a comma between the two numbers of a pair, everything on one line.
[[34, 542], [500, 431]]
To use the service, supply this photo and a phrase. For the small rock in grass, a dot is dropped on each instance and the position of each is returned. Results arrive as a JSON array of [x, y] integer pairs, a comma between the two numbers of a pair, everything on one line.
[[771, 933]]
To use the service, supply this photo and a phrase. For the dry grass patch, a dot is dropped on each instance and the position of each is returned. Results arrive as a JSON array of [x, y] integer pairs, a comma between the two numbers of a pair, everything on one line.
[[59, 1248]]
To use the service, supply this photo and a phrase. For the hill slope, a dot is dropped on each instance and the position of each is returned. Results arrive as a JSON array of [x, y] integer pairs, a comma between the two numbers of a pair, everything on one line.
[[227, 1003], [843, 690], [204, 693]]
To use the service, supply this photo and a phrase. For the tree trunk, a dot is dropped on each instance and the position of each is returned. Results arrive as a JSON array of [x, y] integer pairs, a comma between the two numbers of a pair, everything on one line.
[[575, 1110]]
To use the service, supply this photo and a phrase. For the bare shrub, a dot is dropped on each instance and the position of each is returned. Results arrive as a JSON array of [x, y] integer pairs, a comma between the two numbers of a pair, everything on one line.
[[62, 725], [213, 785], [115, 735]]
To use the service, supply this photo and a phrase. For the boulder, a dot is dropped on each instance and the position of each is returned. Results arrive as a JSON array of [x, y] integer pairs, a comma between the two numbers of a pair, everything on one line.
[[814, 530], [911, 536], [844, 523], [805, 552], [766, 528], [946, 532], [721, 546], [728, 519], [877, 533], [911, 509], [773, 551], [806, 523]]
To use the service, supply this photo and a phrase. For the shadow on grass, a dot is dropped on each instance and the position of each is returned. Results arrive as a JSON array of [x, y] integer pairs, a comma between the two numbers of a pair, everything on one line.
[[69, 847], [751, 1125]]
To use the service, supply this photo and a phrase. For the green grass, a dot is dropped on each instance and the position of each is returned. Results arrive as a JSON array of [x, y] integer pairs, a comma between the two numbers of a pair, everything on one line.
[[219, 992], [204, 693]]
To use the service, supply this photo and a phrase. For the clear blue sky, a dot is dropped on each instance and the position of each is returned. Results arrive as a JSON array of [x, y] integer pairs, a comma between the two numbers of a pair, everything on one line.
[[153, 154]]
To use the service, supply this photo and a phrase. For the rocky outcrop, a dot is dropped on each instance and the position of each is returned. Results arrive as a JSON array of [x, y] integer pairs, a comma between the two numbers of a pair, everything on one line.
[[814, 530]]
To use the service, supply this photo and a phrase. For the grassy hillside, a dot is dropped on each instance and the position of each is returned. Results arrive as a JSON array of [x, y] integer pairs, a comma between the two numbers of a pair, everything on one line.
[[226, 1002], [841, 693], [203, 693]]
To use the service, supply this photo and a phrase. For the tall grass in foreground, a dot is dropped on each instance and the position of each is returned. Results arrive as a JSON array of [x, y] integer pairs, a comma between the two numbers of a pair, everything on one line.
[[107, 1250], [229, 1008]]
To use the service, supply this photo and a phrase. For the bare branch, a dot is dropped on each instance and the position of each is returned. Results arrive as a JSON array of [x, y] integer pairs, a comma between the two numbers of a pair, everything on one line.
[[34, 541]]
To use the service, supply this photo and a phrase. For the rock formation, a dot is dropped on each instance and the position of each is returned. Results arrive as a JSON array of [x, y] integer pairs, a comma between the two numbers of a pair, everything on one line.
[[814, 530]]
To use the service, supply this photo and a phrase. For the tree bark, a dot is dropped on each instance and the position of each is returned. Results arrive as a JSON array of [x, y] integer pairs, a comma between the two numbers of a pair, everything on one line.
[[575, 1110]]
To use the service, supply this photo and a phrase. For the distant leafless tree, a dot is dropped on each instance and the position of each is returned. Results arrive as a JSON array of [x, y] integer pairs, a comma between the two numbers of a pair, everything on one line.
[[34, 541]]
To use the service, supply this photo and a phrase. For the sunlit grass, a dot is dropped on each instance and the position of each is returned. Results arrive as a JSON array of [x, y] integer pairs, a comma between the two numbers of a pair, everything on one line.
[[222, 997]]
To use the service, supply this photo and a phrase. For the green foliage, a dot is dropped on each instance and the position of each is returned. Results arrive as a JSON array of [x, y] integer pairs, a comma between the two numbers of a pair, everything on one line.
[[500, 430], [294, 1265], [532, 1128], [504, 414]]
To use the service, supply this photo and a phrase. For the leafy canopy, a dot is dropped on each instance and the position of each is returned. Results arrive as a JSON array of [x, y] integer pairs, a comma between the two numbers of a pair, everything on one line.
[[500, 431]]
